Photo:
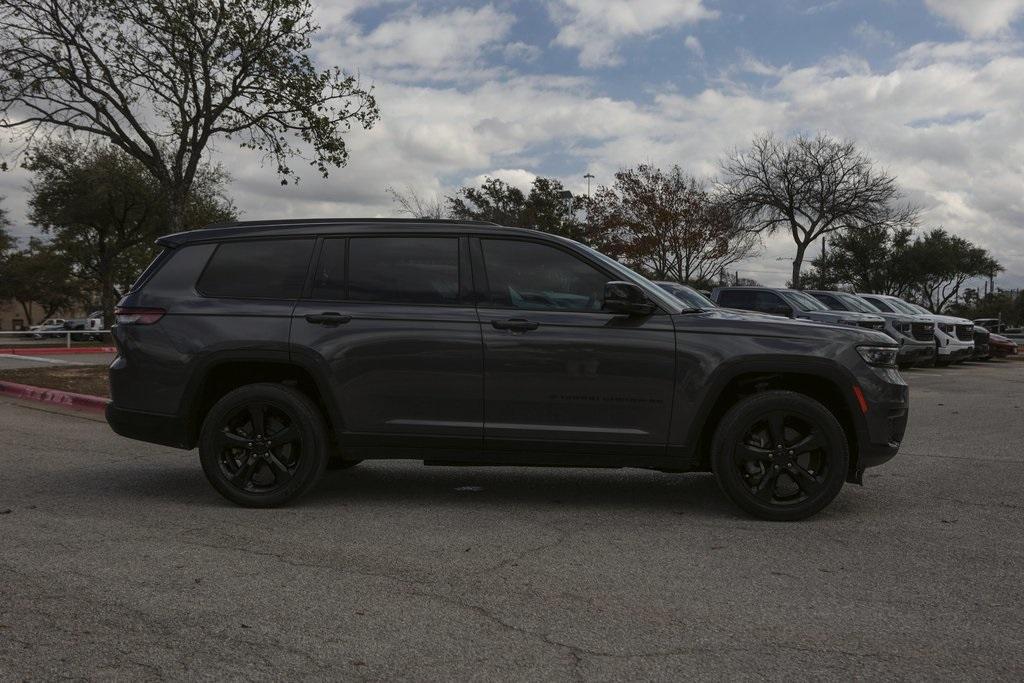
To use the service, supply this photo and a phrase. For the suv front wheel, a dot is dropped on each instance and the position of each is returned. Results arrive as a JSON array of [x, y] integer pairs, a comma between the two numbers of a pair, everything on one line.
[[780, 455], [263, 445]]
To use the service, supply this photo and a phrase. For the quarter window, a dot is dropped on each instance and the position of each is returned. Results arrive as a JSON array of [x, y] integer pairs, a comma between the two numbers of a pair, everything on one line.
[[257, 269], [535, 276]]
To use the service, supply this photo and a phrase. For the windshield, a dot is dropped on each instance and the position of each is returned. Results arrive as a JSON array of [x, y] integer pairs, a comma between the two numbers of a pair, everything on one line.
[[690, 297], [805, 302], [856, 303], [652, 289], [904, 307]]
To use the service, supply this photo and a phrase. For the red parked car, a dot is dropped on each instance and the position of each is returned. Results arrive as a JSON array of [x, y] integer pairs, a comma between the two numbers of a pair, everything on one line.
[[1000, 346]]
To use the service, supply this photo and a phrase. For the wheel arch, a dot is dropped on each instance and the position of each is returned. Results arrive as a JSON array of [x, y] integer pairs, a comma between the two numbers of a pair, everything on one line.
[[223, 373], [821, 379]]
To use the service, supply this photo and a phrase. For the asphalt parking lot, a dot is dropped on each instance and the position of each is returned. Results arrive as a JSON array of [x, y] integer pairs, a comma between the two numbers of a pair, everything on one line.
[[117, 560]]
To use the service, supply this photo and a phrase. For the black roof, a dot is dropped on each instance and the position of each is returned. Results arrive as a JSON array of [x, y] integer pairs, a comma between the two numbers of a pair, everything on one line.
[[328, 226]]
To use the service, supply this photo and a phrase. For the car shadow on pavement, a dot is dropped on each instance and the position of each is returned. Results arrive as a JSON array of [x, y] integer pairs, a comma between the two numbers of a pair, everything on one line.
[[402, 482]]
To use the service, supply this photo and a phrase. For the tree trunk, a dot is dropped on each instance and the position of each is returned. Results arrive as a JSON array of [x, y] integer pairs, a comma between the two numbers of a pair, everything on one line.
[[26, 306], [797, 263], [175, 209]]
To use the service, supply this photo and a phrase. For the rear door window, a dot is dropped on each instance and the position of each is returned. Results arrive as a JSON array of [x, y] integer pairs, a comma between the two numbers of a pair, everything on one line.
[[411, 270], [257, 269]]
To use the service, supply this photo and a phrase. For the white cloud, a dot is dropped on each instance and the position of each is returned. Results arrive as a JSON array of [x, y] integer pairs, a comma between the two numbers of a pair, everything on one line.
[[692, 43], [978, 18], [411, 45], [516, 177], [597, 27]]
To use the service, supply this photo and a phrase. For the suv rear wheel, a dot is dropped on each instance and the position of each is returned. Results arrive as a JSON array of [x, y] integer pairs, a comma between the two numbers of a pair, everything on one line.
[[263, 445], [780, 455]]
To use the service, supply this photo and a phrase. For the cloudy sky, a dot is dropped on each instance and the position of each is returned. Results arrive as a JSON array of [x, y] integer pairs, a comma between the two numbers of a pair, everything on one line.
[[932, 89]]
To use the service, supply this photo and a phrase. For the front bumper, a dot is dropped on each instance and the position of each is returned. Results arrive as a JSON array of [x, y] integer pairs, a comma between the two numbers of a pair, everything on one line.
[[913, 351], [885, 421]]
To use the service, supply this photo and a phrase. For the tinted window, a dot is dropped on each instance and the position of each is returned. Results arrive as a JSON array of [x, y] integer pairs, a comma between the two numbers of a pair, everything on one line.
[[856, 304], [329, 282], [829, 301], [751, 300], [261, 269], [878, 303], [803, 301], [736, 299], [414, 270], [536, 276]]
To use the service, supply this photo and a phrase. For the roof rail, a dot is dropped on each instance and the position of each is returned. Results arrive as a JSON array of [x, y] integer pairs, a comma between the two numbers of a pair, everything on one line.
[[335, 221]]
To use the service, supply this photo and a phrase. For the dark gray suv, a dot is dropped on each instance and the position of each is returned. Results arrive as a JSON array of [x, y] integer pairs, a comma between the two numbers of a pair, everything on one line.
[[282, 348]]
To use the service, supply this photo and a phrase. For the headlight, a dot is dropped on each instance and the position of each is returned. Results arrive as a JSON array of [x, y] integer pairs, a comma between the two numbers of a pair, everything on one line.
[[946, 327], [878, 355], [902, 327]]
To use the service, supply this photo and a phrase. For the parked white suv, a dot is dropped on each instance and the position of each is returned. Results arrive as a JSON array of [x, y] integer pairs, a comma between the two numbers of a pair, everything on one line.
[[954, 337]]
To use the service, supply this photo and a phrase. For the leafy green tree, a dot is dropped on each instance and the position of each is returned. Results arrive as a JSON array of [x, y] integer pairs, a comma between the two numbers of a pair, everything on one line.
[[810, 188], [7, 241], [39, 275], [939, 264], [864, 260], [103, 209], [548, 206], [163, 79]]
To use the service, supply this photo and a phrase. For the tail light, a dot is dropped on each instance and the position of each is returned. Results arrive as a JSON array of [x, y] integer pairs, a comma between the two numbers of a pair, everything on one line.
[[137, 316]]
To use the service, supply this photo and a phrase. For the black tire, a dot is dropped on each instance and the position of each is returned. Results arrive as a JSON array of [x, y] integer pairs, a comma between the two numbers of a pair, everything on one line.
[[780, 484], [257, 469]]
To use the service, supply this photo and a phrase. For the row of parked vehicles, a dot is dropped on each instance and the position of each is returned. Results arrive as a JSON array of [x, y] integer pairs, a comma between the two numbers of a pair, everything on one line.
[[90, 328], [924, 338]]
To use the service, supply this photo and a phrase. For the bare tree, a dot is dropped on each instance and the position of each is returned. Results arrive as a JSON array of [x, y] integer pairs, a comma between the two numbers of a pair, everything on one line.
[[162, 79], [412, 204], [811, 187]]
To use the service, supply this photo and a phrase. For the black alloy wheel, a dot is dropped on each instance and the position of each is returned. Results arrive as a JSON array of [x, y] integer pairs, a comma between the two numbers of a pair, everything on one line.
[[780, 455], [260, 448], [263, 445]]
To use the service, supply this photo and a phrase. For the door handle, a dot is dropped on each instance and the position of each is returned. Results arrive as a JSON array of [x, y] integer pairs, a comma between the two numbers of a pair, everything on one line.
[[515, 325], [328, 319]]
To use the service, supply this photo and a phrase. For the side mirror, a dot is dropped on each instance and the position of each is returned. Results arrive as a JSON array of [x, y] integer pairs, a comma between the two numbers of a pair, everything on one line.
[[626, 297]]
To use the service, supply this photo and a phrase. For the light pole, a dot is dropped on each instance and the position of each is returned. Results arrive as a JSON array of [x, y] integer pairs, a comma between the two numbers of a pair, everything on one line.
[[589, 177]]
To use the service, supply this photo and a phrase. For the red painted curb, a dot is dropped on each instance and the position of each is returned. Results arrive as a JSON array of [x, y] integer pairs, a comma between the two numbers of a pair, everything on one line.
[[56, 350], [64, 399]]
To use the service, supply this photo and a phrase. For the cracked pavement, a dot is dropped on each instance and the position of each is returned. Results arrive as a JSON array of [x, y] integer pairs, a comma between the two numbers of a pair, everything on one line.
[[117, 560]]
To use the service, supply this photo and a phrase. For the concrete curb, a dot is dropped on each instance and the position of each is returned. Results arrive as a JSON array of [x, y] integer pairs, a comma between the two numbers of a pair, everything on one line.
[[54, 397], [56, 350]]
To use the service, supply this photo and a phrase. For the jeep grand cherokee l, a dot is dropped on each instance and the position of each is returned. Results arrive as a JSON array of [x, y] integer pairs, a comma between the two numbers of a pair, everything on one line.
[[276, 347]]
